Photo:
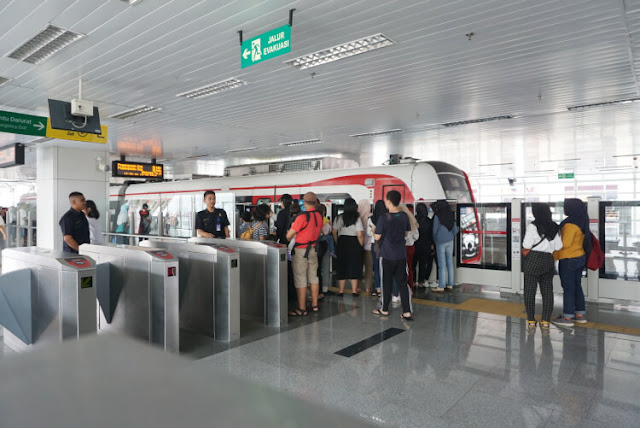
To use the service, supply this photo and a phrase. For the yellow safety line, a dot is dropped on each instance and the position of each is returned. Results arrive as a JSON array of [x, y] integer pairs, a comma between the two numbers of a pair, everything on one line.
[[511, 309]]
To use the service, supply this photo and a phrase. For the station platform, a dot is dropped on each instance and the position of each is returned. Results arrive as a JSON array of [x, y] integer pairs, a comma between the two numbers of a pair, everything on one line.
[[467, 360]]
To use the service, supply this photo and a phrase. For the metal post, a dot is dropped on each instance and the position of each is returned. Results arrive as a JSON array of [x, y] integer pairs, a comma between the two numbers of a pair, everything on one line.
[[29, 230], [131, 225], [516, 245], [160, 223], [593, 277]]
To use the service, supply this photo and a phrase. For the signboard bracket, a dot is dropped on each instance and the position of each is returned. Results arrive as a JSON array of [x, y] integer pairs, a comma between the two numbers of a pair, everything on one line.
[[240, 34], [290, 19]]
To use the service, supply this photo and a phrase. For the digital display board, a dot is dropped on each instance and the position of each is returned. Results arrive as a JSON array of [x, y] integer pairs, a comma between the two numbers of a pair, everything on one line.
[[12, 155], [137, 170]]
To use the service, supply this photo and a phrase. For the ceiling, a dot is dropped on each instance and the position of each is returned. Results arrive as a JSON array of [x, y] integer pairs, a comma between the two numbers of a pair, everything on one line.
[[528, 59]]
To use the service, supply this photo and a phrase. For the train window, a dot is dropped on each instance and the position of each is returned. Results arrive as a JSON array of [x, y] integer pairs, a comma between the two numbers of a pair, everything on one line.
[[455, 188], [263, 201]]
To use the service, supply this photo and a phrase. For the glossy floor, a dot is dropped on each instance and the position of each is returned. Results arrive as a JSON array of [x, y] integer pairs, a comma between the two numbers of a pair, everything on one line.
[[448, 368]]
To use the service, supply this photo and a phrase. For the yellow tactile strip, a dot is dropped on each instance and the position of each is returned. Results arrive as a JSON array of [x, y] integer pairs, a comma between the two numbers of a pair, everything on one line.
[[511, 309]]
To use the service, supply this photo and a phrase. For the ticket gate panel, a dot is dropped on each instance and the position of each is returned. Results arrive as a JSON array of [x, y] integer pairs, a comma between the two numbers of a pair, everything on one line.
[[252, 300], [63, 298]]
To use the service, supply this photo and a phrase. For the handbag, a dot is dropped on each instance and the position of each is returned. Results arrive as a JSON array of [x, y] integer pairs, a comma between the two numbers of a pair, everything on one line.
[[526, 251]]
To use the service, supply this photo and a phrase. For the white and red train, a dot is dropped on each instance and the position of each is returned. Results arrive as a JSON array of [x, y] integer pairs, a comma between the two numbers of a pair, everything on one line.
[[179, 200]]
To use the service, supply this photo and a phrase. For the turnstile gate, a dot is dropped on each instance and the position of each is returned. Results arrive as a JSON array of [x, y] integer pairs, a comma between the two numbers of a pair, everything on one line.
[[138, 292], [209, 295], [46, 296], [263, 278]]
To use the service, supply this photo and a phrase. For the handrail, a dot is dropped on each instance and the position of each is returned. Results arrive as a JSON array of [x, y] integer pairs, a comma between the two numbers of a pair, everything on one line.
[[150, 237]]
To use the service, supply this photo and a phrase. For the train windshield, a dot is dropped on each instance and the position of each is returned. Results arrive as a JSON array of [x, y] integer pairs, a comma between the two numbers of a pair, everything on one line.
[[455, 187]]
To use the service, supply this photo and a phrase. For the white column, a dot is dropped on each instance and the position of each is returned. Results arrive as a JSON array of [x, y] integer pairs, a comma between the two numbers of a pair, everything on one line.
[[516, 245], [593, 277], [60, 171]]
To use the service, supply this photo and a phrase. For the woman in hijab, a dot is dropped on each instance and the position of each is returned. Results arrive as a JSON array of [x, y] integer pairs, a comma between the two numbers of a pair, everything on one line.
[[379, 209], [364, 210], [423, 258], [573, 258], [348, 233], [542, 238], [444, 230], [122, 223]]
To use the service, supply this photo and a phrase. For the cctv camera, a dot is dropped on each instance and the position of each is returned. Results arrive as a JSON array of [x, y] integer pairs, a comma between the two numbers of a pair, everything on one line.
[[512, 181]]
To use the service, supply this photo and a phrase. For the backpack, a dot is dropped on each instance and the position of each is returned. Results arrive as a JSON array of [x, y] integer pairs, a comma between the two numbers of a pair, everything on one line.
[[596, 256], [247, 235]]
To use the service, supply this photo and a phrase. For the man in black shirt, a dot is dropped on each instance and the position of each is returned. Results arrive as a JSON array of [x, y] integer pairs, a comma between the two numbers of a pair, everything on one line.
[[283, 219], [212, 222], [74, 224]]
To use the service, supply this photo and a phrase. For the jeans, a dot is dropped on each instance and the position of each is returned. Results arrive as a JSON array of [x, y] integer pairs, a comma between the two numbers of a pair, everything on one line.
[[570, 271], [376, 269], [445, 264]]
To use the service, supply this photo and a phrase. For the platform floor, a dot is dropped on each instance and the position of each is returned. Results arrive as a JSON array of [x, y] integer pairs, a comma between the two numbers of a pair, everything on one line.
[[467, 360]]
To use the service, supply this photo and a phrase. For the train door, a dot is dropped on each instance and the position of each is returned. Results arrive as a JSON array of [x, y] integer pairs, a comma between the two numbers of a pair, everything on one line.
[[386, 188]]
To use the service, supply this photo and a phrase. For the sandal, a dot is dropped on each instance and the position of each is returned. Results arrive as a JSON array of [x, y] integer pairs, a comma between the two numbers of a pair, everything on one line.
[[544, 324], [314, 308], [532, 324], [380, 312], [355, 294], [298, 313], [375, 294], [404, 318]]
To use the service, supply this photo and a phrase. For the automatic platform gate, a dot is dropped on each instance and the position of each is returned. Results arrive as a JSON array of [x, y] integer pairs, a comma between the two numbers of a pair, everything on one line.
[[209, 292], [263, 278], [46, 296], [138, 292]]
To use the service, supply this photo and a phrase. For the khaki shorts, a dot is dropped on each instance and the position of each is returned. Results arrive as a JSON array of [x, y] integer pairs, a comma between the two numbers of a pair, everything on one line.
[[305, 271]]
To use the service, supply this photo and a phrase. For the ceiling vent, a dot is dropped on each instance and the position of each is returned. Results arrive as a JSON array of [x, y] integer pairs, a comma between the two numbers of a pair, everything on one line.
[[213, 89], [345, 50], [45, 44], [486, 119], [128, 114], [374, 133], [3, 80]]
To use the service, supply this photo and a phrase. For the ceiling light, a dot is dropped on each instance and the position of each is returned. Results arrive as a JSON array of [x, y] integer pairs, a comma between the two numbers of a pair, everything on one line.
[[215, 88], [44, 44], [626, 156], [302, 143], [246, 149], [374, 133], [605, 104], [496, 164], [560, 160], [486, 119], [341, 51], [132, 2], [3, 80], [615, 168], [128, 114]]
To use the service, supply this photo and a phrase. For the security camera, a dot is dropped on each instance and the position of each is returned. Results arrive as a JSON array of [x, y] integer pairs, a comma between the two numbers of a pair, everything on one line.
[[512, 181]]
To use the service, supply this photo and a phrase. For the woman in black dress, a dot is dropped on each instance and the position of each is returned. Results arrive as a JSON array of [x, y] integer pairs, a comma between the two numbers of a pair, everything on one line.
[[348, 233]]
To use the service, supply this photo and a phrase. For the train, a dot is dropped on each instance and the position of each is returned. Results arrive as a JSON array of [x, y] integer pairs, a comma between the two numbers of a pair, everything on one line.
[[173, 204]]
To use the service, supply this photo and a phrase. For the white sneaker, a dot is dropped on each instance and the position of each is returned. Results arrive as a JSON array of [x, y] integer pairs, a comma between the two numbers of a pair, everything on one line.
[[395, 299], [434, 284]]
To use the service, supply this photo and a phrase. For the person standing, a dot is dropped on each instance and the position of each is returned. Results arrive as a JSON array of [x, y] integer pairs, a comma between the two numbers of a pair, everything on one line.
[[144, 228], [410, 241], [542, 238], [444, 230], [283, 219], [576, 244], [260, 225], [423, 257], [306, 229], [379, 209], [95, 230], [391, 230], [212, 222], [364, 210], [348, 234], [74, 224]]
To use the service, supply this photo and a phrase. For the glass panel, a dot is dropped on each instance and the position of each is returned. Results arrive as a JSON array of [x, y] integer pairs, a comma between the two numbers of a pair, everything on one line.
[[177, 215], [622, 240], [486, 246]]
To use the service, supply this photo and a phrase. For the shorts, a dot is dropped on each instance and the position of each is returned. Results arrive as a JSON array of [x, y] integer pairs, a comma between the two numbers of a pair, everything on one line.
[[305, 271]]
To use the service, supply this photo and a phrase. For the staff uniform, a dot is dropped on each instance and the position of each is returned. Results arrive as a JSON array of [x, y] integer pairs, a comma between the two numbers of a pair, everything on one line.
[[74, 223], [213, 222]]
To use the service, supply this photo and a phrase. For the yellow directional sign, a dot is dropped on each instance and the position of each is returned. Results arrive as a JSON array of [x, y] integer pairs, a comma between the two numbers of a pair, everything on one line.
[[78, 136]]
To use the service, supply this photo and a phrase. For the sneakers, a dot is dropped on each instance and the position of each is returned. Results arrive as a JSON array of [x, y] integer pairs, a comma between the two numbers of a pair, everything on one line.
[[449, 288], [561, 321], [434, 284], [580, 319], [438, 289], [395, 299]]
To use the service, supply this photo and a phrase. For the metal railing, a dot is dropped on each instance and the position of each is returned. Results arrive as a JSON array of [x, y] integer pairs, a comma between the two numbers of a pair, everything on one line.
[[133, 239]]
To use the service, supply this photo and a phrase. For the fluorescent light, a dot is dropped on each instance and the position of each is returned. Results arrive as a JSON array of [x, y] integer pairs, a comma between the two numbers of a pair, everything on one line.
[[128, 114], [560, 160], [626, 156], [484, 119], [605, 104], [3, 80], [496, 164], [212, 89], [44, 44], [245, 149], [302, 143], [374, 133], [132, 2], [345, 50]]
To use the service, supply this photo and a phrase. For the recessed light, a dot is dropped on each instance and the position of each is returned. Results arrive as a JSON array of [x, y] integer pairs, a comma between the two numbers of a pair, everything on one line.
[[342, 51], [128, 114], [212, 89], [245, 149], [374, 133], [605, 104], [302, 143], [484, 119], [45, 44]]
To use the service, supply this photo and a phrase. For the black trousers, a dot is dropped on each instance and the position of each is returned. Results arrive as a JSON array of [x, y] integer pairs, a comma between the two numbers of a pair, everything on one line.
[[390, 270], [538, 269], [423, 260]]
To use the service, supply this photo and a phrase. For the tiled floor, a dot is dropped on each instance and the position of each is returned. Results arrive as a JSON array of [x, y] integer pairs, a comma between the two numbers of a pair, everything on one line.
[[448, 368]]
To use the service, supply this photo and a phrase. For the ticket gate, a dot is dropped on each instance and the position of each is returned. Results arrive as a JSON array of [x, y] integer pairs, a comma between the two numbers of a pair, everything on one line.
[[263, 278], [209, 295], [138, 292], [46, 296]]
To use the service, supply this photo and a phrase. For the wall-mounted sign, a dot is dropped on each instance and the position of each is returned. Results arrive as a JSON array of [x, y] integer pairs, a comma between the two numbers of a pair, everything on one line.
[[566, 175], [12, 155], [137, 170]]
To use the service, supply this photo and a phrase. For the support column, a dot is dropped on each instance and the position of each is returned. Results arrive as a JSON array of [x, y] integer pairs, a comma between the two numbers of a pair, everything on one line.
[[517, 235], [593, 277], [60, 171]]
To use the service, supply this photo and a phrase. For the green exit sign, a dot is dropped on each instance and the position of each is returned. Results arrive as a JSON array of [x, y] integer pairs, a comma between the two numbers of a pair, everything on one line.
[[266, 46], [566, 175]]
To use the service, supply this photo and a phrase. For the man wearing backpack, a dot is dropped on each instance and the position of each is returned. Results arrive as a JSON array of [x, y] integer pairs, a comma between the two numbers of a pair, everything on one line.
[[306, 229]]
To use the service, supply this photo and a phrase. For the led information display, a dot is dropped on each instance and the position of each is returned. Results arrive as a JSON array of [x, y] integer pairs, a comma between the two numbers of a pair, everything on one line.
[[137, 170], [12, 155]]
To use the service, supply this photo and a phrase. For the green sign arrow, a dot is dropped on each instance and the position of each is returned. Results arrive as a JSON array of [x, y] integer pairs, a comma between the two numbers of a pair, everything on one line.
[[24, 124], [266, 46], [566, 175]]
